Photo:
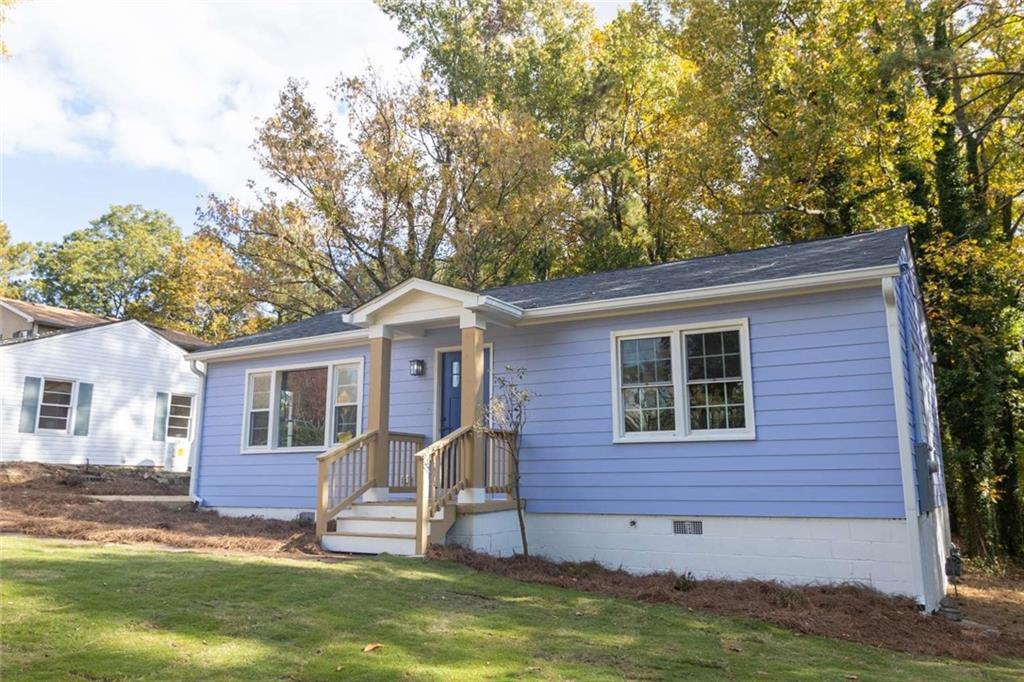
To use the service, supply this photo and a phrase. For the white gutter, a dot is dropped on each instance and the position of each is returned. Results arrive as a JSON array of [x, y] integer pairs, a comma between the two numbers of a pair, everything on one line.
[[350, 337], [757, 289]]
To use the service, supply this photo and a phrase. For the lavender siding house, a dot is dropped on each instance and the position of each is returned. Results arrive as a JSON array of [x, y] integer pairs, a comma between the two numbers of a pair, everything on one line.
[[766, 414]]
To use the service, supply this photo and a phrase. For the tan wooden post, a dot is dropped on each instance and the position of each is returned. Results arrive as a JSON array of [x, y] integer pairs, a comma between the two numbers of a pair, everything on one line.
[[473, 407], [379, 409], [422, 504], [323, 499]]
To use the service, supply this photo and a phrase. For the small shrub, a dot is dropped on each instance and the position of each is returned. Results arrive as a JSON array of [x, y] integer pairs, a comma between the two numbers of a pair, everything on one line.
[[684, 582]]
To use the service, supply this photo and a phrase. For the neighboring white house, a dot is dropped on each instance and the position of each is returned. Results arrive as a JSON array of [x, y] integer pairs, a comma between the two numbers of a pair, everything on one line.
[[115, 393]]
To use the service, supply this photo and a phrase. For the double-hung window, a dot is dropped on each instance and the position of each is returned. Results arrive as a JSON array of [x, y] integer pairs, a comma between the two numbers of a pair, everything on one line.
[[179, 416], [55, 405], [302, 408], [688, 382]]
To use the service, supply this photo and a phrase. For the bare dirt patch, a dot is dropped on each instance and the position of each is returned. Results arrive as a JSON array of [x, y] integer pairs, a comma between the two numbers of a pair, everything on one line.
[[850, 612], [52, 501]]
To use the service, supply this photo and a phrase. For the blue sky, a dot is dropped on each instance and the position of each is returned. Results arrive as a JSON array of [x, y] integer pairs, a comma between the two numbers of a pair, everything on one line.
[[156, 103]]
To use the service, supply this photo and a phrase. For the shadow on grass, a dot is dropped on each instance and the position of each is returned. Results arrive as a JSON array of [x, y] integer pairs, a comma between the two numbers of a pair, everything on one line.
[[105, 612]]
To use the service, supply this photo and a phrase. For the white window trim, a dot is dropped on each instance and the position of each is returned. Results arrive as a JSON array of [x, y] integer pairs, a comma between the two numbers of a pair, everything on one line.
[[270, 448], [71, 407], [682, 431], [191, 414]]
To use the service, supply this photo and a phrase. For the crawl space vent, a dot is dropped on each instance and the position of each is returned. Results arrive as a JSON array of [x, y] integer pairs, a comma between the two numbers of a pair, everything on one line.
[[688, 527]]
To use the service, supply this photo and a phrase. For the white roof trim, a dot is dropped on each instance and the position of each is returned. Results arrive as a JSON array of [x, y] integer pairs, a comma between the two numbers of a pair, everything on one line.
[[17, 312], [350, 337]]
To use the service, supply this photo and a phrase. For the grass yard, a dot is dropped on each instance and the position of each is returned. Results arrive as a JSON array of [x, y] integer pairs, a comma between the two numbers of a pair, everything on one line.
[[100, 612]]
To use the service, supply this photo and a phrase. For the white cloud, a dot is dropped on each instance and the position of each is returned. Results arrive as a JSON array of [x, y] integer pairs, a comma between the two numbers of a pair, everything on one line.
[[176, 86]]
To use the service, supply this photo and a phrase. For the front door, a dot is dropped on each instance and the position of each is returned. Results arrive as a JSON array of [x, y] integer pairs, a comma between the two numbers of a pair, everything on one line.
[[451, 388]]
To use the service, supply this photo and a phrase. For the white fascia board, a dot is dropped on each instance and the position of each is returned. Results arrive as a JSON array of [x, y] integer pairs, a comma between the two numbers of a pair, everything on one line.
[[352, 337], [495, 306], [705, 295]]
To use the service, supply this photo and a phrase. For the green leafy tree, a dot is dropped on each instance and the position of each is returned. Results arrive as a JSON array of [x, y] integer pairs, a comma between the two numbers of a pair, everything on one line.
[[15, 262], [107, 268]]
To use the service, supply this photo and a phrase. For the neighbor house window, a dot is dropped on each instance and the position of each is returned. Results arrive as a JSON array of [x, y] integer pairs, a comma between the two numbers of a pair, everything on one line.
[[179, 418], [303, 407], [689, 382], [55, 405]]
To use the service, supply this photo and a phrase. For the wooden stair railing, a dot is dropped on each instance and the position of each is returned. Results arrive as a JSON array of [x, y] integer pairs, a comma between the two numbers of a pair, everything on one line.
[[439, 478], [499, 465], [402, 449], [342, 477]]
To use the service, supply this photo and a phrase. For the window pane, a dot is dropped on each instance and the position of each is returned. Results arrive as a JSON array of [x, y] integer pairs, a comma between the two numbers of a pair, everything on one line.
[[647, 394], [53, 423], [716, 418], [699, 418], [713, 365], [737, 418], [56, 397], [346, 384], [345, 425], [177, 431], [259, 423], [301, 404], [713, 343], [53, 411], [731, 341], [695, 369], [259, 391], [732, 366], [666, 420]]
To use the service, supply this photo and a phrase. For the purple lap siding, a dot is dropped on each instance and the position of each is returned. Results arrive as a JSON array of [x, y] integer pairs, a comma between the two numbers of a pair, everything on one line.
[[826, 441]]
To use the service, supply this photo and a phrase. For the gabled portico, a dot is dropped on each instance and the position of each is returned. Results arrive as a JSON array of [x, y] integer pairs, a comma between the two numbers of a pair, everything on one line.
[[376, 467]]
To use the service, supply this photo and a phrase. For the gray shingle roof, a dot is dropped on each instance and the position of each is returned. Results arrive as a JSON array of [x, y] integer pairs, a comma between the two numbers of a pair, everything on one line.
[[862, 250], [835, 254], [318, 325]]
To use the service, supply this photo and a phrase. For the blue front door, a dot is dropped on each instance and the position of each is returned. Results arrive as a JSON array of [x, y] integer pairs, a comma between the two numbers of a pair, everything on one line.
[[451, 388]]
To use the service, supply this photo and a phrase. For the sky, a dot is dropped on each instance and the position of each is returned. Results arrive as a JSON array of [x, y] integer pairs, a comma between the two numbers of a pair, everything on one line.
[[156, 103]]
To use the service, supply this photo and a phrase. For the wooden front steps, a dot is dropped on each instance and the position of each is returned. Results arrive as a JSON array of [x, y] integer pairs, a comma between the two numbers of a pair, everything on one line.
[[383, 527]]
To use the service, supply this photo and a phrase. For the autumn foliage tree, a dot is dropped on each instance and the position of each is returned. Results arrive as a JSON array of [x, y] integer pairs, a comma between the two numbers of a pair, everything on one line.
[[420, 187]]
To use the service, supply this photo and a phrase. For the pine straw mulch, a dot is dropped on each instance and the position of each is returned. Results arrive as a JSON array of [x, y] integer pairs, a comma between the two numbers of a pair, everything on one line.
[[850, 612], [54, 501]]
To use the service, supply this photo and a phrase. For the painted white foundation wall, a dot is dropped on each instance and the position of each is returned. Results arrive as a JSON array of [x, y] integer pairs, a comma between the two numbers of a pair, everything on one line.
[[790, 550], [494, 533]]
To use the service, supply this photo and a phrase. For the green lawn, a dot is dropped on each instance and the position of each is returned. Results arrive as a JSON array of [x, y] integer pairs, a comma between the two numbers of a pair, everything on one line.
[[112, 613]]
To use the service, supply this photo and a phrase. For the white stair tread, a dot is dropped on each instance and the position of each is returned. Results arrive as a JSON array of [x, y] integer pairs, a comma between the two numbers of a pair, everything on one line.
[[355, 534]]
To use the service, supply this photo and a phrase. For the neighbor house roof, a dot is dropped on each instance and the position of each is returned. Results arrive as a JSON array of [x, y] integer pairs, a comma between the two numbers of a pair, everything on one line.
[[52, 316], [859, 251]]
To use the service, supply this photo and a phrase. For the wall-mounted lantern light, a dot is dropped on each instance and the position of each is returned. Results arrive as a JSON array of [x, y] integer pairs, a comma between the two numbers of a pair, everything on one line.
[[416, 368]]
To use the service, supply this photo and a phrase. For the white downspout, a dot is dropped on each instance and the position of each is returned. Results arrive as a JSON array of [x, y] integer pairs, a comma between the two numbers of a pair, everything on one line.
[[199, 369]]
